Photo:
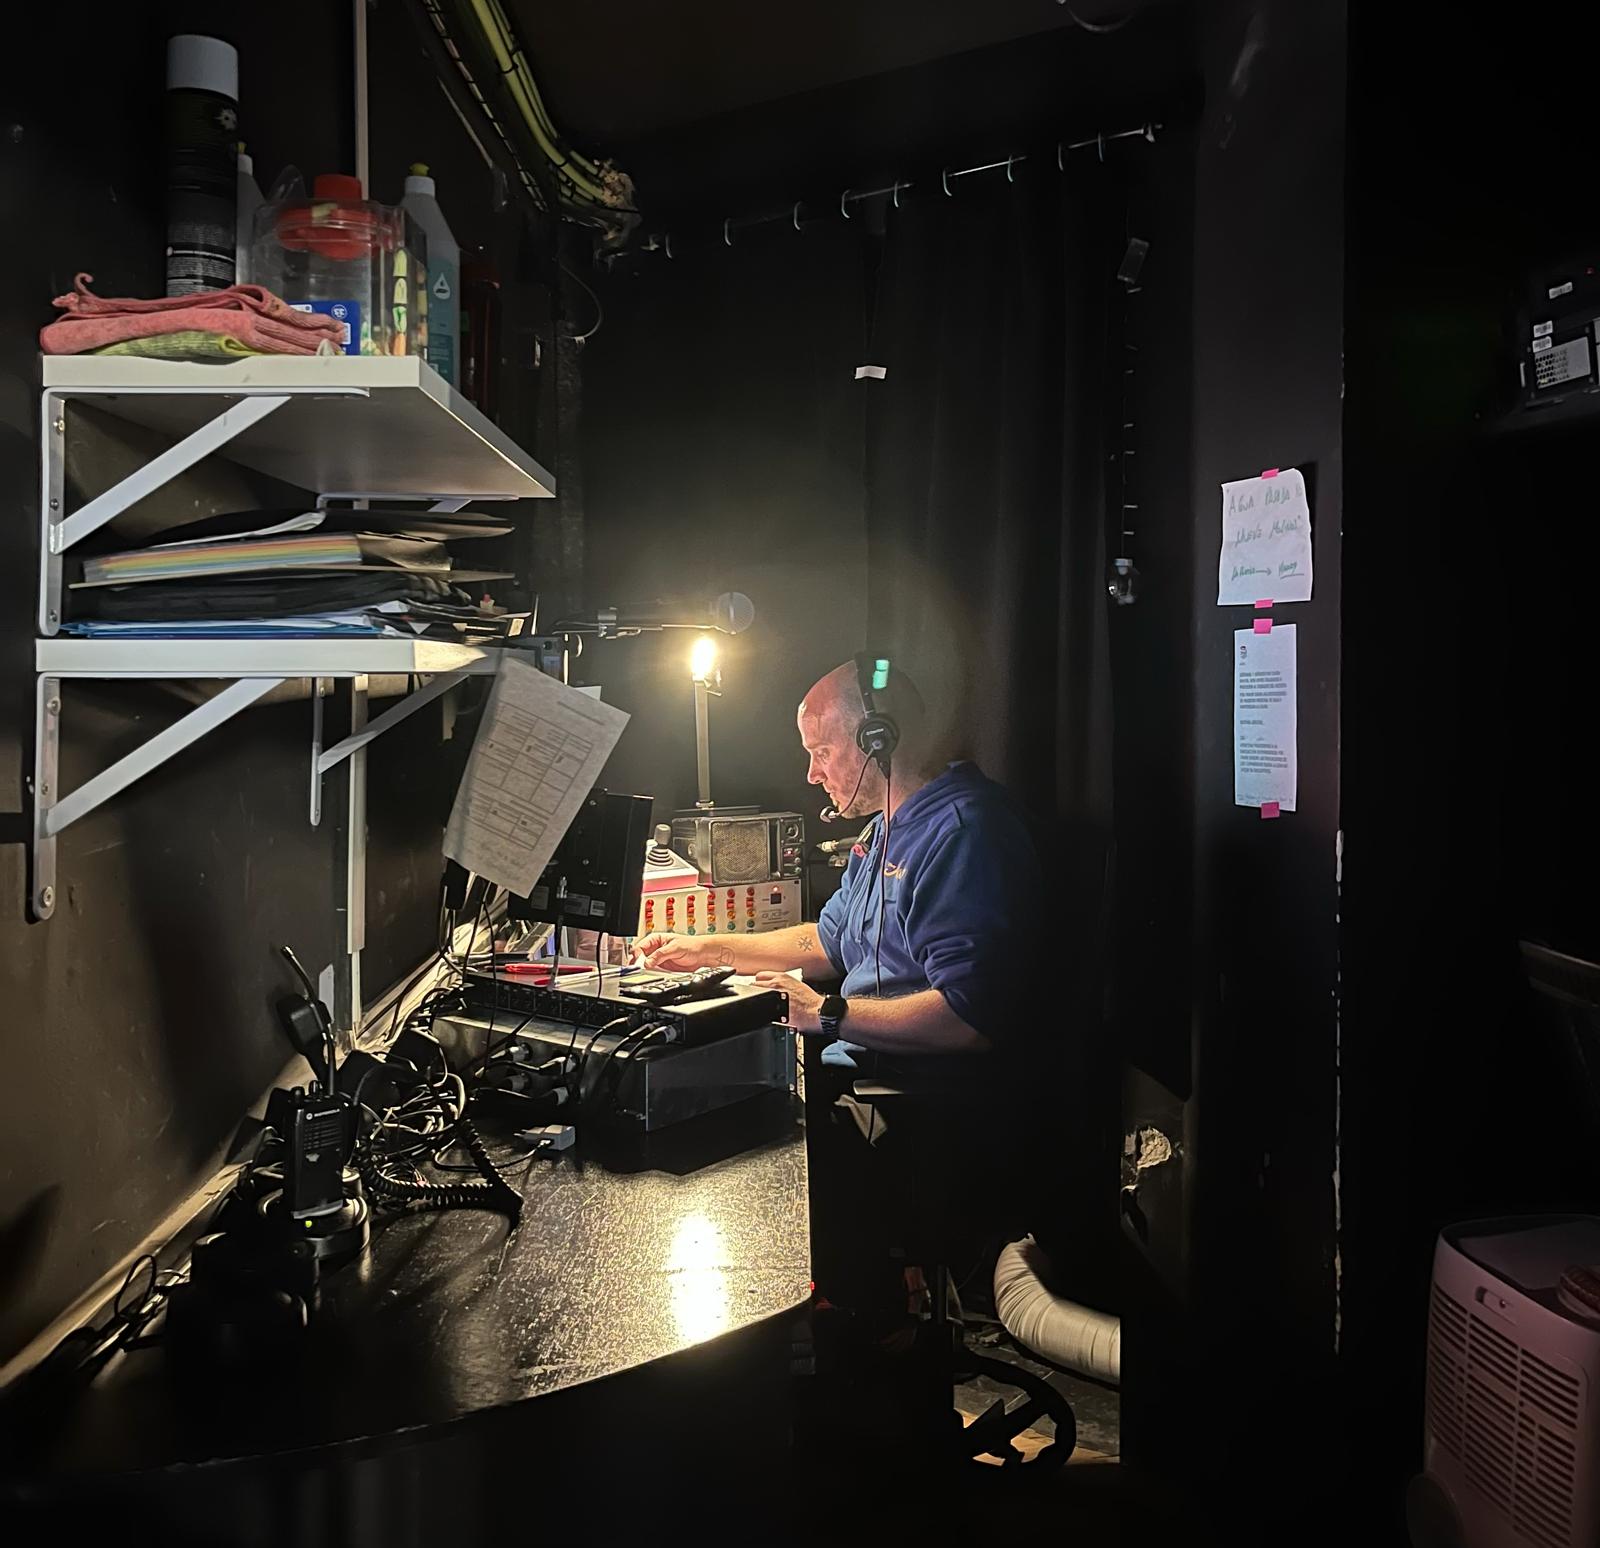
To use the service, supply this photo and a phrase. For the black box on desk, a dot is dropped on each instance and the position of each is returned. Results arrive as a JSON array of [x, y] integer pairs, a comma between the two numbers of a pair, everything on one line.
[[658, 1085]]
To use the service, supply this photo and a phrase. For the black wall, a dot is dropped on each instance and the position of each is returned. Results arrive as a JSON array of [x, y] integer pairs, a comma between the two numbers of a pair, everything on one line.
[[1470, 820], [1227, 988], [138, 1017]]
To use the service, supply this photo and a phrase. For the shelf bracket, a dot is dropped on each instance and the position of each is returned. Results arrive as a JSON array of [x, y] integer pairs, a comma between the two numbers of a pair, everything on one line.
[[323, 760], [212, 436], [60, 531], [53, 812]]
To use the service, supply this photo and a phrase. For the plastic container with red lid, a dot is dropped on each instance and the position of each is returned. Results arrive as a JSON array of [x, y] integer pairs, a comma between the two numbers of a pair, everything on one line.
[[350, 258]]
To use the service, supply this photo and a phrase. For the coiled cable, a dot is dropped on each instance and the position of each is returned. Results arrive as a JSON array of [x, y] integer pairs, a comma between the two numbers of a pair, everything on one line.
[[492, 1190]]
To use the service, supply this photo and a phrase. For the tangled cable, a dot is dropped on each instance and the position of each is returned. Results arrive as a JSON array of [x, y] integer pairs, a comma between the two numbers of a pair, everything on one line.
[[491, 1190], [428, 1122]]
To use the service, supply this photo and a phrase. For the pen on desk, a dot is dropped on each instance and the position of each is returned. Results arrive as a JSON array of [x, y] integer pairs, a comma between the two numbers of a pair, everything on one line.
[[541, 970]]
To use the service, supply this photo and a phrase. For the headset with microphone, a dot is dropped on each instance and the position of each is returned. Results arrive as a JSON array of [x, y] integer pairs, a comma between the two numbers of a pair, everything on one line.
[[877, 735]]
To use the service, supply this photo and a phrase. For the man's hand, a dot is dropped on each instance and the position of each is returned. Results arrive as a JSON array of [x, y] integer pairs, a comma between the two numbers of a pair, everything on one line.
[[681, 953], [805, 1004]]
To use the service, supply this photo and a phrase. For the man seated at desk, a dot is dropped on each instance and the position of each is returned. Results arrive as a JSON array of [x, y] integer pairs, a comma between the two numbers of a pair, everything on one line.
[[929, 933]]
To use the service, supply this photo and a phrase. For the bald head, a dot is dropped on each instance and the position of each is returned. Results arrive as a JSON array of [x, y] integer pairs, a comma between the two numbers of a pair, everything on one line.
[[835, 695], [827, 718]]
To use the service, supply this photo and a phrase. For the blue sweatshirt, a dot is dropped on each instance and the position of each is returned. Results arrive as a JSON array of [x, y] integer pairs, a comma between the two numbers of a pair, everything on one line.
[[959, 893]]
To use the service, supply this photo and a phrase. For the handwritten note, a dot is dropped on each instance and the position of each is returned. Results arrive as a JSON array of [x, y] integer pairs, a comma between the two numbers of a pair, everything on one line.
[[539, 750], [1266, 541], [1265, 718]]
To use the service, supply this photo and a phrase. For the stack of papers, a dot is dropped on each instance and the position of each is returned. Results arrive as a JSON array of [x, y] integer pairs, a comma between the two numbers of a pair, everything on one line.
[[181, 561], [296, 572]]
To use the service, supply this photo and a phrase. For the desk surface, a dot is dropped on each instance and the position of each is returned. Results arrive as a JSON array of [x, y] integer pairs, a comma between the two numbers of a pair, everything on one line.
[[611, 1268]]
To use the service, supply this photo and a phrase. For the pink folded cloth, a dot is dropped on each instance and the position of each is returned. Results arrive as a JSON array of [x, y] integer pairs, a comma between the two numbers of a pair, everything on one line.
[[248, 313]]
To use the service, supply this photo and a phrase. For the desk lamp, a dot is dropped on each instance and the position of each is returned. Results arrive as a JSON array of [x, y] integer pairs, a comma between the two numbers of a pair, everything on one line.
[[707, 677]]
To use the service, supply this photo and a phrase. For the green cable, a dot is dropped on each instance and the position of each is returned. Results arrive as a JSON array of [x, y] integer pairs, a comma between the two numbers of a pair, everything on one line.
[[525, 93]]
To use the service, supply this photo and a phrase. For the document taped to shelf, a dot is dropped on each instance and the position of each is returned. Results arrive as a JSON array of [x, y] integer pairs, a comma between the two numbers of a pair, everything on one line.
[[539, 751], [1265, 718], [1266, 540]]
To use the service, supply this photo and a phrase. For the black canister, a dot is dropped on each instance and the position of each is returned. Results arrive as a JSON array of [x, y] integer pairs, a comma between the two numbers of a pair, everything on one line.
[[202, 113]]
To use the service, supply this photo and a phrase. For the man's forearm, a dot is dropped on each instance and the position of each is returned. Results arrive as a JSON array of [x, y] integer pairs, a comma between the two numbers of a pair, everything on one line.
[[777, 951], [920, 1023]]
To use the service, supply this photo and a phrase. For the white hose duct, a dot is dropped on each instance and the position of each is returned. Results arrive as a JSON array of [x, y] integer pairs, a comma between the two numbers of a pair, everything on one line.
[[1060, 1330]]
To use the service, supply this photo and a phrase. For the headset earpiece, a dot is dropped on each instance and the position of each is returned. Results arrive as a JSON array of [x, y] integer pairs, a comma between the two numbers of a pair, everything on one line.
[[877, 735]]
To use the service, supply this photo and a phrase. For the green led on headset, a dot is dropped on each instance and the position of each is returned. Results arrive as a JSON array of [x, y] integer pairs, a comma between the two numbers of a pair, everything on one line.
[[880, 675]]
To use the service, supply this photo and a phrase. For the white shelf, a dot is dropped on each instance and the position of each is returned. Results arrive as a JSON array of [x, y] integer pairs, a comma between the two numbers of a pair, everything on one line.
[[387, 425], [64, 656]]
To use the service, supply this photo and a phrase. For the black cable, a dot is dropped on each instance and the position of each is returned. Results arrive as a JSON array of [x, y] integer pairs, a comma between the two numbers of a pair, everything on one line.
[[492, 1048], [492, 1190], [583, 1058], [494, 973], [430, 965], [577, 1021], [638, 1037], [330, 1048], [883, 866], [118, 1309], [844, 811], [599, 311]]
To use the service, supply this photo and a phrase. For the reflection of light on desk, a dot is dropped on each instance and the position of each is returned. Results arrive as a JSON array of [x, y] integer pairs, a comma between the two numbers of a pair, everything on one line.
[[699, 1287]]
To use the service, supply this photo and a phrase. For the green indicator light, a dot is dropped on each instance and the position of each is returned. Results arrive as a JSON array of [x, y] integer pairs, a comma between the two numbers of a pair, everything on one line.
[[880, 676]]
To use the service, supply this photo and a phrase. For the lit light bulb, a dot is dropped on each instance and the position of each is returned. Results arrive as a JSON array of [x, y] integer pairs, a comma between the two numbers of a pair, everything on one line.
[[703, 659]]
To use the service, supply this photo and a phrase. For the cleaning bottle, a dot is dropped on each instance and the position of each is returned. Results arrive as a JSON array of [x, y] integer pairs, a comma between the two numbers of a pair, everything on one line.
[[245, 225], [444, 275]]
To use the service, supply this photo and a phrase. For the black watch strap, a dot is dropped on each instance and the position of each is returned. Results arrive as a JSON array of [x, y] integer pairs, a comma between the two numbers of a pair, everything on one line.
[[832, 1011]]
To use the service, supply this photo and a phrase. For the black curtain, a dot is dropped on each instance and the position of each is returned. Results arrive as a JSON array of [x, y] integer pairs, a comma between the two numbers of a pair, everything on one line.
[[722, 452], [729, 442], [995, 317]]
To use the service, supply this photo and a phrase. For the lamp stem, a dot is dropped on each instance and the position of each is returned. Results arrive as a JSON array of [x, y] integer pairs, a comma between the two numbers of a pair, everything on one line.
[[702, 740]]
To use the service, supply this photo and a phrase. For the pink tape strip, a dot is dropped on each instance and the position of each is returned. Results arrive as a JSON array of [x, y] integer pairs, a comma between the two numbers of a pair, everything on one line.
[[1263, 626], [1263, 602], [1269, 472], [1269, 809]]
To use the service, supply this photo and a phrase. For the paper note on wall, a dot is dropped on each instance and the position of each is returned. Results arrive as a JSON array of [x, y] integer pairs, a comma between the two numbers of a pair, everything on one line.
[[1266, 541], [1265, 718], [538, 753]]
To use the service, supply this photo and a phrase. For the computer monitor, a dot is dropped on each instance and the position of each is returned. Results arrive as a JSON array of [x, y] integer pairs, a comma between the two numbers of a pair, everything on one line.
[[595, 878]]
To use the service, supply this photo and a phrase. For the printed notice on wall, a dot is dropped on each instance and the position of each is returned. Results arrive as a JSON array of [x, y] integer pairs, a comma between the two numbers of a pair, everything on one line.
[[539, 751], [1265, 718], [1266, 541]]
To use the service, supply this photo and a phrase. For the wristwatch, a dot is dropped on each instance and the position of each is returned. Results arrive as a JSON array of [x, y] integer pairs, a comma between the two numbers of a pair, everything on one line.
[[831, 1012]]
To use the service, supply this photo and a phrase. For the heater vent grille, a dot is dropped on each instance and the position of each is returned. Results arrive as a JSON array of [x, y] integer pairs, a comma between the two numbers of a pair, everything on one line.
[[1491, 1424], [1508, 1417], [1557, 1393], [1544, 1484]]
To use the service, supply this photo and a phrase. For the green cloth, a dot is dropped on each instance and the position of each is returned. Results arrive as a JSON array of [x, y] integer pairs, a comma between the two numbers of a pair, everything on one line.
[[186, 344]]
